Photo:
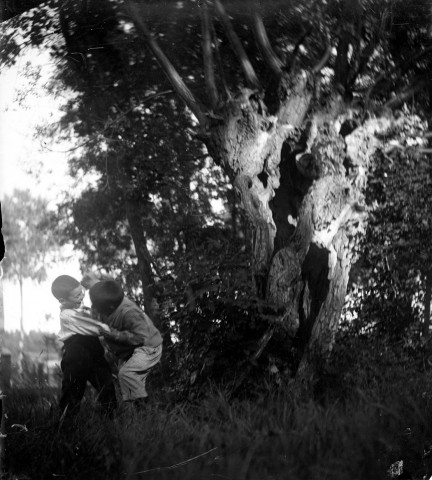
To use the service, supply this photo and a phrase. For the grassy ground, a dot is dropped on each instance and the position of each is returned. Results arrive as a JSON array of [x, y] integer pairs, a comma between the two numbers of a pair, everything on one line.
[[272, 437]]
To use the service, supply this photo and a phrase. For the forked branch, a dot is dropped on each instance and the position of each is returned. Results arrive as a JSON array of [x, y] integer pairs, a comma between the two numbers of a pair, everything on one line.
[[209, 74], [248, 70], [177, 82], [267, 52]]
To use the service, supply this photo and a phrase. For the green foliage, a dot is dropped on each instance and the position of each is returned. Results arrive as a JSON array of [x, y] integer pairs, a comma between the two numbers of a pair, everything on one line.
[[138, 141], [34, 342], [214, 322], [27, 23], [358, 436], [387, 292], [28, 230], [30, 366]]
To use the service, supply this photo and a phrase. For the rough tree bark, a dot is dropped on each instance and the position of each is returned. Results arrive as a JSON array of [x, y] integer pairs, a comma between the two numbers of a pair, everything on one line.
[[305, 210], [300, 167]]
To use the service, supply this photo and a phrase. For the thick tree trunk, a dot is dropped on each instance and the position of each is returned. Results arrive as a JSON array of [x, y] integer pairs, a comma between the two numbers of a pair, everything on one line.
[[304, 205], [247, 141], [302, 210]]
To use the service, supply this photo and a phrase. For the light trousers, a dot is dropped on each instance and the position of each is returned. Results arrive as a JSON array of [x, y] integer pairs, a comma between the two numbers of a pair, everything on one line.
[[133, 372]]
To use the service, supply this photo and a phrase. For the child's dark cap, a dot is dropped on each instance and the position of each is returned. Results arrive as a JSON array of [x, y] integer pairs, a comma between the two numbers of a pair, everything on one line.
[[106, 296]]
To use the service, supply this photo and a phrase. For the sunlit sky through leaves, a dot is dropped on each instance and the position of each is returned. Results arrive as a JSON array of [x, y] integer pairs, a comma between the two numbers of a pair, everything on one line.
[[30, 160], [25, 105]]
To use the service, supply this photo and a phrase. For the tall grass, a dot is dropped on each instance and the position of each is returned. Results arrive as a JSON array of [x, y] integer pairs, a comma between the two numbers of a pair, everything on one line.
[[275, 437]]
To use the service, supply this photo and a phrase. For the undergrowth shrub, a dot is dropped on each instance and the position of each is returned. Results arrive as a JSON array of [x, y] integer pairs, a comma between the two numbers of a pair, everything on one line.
[[274, 437]]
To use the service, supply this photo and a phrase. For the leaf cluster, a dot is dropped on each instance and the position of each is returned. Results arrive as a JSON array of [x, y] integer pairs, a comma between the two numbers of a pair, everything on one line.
[[387, 293], [29, 233]]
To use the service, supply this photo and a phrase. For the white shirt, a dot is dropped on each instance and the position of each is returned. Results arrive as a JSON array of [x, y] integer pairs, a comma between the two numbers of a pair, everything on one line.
[[78, 321]]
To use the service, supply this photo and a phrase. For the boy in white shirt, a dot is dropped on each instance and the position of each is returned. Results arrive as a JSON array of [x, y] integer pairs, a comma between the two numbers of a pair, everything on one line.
[[83, 356]]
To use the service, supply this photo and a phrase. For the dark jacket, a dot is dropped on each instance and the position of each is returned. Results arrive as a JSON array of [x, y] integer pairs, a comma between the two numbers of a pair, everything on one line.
[[131, 328]]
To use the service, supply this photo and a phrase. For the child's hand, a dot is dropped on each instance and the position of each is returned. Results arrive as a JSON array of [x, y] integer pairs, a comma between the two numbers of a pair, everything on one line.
[[103, 327], [89, 279], [105, 333], [108, 334]]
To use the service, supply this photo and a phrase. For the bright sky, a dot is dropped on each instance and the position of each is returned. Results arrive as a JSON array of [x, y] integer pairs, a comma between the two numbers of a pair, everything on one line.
[[19, 150]]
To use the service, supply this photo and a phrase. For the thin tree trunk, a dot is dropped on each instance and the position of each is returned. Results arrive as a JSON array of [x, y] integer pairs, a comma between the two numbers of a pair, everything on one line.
[[143, 255], [21, 342], [21, 306]]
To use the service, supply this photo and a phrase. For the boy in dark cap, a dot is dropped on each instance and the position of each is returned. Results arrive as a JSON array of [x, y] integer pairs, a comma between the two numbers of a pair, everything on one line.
[[83, 356], [132, 338]]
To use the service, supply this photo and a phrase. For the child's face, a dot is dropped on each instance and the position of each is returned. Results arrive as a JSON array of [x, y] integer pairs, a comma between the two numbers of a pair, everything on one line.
[[74, 298]]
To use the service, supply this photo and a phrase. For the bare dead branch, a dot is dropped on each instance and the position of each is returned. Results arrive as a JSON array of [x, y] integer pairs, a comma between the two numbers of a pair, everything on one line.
[[267, 52], [209, 74], [263, 342], [323, 60], [177, 82], [407, 93], [176, 465], [248, 70]]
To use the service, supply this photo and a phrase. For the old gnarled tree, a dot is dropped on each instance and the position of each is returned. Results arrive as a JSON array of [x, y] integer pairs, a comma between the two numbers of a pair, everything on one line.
[[299, 158], [296, 136]]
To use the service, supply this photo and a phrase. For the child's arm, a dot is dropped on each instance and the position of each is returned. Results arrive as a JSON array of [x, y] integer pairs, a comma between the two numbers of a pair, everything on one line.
[[90, 278], [125, 337], [79, 322], [133, 334]]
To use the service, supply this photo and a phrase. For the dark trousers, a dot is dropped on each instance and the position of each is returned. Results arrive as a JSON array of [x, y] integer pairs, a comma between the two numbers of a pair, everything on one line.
[[83, 361]]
